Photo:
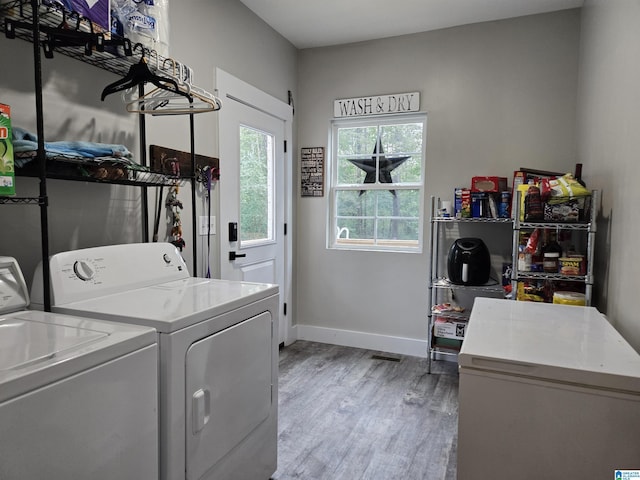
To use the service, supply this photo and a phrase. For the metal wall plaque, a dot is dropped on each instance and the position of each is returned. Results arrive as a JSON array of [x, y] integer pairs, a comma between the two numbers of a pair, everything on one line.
[[312, 172]]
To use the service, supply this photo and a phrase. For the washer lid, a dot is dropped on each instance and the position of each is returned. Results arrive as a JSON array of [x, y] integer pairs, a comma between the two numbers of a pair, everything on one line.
[[562, 344], [25, 342], [38, 348]]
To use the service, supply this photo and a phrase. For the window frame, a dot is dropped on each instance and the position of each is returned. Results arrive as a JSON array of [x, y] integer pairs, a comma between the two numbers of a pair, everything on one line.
[[374, 244]]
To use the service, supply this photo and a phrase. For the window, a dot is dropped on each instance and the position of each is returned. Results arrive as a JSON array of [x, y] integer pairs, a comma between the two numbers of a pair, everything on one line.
[[377, 176], [256, 186]]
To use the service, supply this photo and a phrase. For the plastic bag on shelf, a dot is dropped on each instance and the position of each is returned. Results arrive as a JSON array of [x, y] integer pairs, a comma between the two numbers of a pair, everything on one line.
[[562, 189], [142, 21]]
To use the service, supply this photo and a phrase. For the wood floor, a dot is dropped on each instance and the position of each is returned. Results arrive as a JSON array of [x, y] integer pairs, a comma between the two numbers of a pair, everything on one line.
[[347, 415]]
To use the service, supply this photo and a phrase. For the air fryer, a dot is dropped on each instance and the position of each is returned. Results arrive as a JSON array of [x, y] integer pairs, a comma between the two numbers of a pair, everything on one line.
[[469, 262]]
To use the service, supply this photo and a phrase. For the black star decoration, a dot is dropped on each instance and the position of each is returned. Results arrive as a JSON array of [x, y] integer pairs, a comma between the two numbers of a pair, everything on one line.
[[386, 166]]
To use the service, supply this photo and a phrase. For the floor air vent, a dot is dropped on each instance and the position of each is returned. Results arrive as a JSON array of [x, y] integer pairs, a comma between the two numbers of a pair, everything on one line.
[[385, 357]]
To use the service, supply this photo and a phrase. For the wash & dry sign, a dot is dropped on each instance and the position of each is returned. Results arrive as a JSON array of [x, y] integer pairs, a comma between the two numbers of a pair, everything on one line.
[[377, 105]]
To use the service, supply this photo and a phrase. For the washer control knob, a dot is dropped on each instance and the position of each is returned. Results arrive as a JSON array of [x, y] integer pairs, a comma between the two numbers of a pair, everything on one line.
[[83, 270], [166, 258]]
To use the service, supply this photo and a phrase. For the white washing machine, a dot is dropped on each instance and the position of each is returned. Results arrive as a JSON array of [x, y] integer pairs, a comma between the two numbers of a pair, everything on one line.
[[218, 353], [78, 397]]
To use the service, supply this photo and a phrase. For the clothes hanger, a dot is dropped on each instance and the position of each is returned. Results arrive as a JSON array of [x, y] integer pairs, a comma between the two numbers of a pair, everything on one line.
[[200, 93], [162, 102], [139, 73], [158, 97], [66, 35]]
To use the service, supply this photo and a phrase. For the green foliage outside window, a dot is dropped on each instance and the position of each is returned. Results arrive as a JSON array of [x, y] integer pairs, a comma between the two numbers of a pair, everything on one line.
[[391, 151], [256, 152]]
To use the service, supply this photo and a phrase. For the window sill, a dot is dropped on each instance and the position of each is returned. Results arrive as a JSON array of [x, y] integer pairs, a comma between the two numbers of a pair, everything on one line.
[[400, 246]]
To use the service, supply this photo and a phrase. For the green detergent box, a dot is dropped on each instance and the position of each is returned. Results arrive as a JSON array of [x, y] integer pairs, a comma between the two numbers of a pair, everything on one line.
[[7, 172]]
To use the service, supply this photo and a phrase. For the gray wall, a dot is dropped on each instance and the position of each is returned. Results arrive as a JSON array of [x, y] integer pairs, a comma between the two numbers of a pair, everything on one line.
[[204, 35], [499, 96], [608, 126]]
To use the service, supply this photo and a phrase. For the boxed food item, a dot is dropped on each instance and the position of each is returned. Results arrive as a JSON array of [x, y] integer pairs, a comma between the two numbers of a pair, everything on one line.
[[450, 343], [7, 172], [488, 184], [484, 205], [573, 265], [569, 298], [507, 270], [480, 204], [562, 212], [504, 207], [570, 210], [448, 328], [462, 202], [521, 193], [518, 180], [531, 291]]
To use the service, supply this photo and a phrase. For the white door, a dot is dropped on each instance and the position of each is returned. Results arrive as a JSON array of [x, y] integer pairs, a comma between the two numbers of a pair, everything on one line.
[[254, 188]]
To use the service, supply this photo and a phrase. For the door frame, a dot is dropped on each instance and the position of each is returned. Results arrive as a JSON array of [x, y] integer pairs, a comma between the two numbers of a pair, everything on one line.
[[230, 88]]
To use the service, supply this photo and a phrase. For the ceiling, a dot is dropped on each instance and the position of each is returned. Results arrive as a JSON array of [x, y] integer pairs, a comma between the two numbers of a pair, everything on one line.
[[319, 23]]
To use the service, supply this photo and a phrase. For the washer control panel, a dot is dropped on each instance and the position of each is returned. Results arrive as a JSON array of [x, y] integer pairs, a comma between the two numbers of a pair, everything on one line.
[[13, 290], [84, 270], [91, 272]]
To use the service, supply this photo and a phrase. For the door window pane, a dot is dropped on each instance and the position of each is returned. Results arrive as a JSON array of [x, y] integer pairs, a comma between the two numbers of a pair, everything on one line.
[[257, 154]]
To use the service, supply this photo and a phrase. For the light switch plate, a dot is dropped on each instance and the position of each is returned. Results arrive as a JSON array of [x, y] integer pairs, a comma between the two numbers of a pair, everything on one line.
[[204, 224]]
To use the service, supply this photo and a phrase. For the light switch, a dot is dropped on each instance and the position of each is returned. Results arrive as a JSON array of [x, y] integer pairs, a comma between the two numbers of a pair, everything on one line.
[[205, 222]]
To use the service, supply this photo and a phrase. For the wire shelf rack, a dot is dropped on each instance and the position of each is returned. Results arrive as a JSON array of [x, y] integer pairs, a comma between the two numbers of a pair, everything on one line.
[[74, 36]]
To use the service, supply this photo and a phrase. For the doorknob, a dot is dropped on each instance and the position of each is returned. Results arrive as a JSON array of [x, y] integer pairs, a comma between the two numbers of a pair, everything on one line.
[[234, 255]]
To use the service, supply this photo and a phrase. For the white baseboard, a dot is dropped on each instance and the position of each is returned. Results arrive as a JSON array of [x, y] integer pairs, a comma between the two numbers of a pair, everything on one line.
[[370, 341]]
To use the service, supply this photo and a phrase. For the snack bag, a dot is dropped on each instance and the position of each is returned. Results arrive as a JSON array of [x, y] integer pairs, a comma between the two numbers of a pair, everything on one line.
[[7, 175], [559, 190]]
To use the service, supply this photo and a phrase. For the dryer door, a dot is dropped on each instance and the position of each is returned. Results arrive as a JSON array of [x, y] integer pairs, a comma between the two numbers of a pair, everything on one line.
[[229, 390]]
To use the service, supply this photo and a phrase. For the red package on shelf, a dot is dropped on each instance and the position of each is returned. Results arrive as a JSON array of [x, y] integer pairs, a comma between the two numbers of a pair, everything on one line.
[[489, 184]]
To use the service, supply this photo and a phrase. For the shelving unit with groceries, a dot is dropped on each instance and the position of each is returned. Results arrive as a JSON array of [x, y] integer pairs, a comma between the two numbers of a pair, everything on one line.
[[554, 232], [469, 248], [543, 251]]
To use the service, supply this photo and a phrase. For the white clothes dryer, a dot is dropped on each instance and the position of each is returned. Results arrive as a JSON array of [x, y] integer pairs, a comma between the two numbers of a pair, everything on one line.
[[218, 353], [78, 397]]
